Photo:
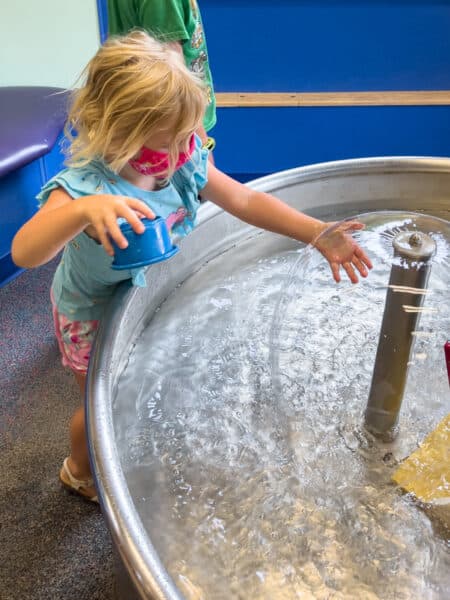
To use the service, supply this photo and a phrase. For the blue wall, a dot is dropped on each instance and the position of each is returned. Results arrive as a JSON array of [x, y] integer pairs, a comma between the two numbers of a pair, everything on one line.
[[327, 46], [257, 141]]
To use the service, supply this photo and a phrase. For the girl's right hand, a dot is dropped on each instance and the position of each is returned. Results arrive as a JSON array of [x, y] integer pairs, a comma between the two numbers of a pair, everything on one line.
[[101, 213]]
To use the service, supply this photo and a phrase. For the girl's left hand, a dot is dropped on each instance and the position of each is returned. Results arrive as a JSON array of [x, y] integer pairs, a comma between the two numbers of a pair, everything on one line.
[[339, 248]]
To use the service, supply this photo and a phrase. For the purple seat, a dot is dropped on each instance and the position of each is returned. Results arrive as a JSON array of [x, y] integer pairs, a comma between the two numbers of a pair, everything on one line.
[[31, 125], [31, 119]]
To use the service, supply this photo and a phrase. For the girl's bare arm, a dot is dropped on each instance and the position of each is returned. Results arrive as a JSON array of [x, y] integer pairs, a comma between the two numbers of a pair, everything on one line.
[[62, 218], [265, 211]]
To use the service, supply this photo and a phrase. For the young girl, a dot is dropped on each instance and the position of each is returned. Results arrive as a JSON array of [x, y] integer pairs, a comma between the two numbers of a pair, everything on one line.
[[135, 155]]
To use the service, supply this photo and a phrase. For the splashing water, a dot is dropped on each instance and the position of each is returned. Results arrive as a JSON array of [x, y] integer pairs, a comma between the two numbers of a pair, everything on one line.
[[240, 424]]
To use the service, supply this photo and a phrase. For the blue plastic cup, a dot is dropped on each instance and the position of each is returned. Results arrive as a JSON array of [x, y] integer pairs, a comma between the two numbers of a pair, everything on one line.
[[151, 246]]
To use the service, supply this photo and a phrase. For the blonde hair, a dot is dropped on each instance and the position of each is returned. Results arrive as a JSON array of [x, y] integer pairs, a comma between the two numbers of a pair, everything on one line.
[[134, 88]]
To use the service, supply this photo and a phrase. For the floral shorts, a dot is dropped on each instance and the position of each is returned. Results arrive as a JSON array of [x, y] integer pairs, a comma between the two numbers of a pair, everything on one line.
[[75, 340]]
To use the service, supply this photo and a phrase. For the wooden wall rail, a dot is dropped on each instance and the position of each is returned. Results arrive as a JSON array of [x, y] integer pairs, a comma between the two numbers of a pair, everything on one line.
[[279, 99]]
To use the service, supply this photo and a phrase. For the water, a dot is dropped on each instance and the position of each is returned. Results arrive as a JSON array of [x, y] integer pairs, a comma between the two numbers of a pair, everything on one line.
[[242, 441]]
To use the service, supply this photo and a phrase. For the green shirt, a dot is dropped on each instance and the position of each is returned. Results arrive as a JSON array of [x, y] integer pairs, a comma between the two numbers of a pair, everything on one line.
[[170, 21]]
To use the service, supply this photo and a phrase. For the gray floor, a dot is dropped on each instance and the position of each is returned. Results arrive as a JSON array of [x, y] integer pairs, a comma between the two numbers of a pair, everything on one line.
[[52, 544]]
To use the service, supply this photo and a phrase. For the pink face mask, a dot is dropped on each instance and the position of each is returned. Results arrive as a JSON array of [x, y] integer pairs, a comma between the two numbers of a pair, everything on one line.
[[152, 162]]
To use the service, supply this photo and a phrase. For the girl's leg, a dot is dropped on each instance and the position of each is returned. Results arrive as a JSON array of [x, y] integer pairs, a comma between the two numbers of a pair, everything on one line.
[[78, 461], [75, 341]]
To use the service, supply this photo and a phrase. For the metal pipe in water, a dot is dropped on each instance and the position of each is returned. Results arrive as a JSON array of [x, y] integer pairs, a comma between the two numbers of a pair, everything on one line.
[[404, 299]]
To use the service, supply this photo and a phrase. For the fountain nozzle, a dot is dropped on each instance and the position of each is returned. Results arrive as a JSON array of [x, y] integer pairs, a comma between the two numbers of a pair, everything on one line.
[[416, 246], [404, 298], [415, 240]]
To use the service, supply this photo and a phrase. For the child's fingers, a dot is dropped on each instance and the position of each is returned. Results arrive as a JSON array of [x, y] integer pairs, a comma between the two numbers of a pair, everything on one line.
[[115, 232], [132, 217], [104, 240], [360, 266], [140, 207], [335, 270], [359, 252], [352, 225], [348, 268]]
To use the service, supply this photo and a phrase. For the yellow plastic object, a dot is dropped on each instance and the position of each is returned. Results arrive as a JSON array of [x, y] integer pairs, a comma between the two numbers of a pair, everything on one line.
[[210, 144], [426, 473]]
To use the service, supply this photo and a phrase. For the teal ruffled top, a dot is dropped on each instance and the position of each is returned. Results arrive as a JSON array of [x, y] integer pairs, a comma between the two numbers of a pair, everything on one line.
[[84, 280]]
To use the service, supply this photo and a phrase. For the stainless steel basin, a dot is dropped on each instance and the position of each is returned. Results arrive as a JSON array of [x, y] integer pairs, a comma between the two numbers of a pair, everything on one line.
[[326, 190]]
